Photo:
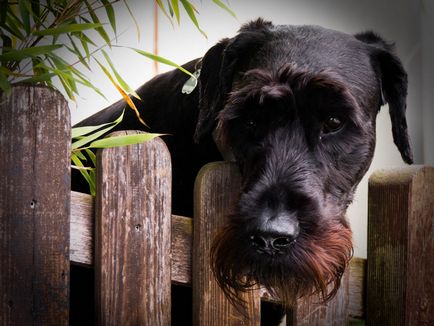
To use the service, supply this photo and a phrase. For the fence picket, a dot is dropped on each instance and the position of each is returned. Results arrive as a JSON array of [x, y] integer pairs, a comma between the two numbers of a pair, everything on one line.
[[216, 188], [34, 207], [132, 260]]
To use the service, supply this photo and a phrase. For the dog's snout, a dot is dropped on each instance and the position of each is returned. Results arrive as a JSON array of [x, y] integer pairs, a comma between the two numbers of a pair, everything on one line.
[[276, 235]]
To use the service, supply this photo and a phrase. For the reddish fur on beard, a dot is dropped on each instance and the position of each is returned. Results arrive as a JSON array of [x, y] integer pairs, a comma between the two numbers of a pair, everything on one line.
[[314, 264]]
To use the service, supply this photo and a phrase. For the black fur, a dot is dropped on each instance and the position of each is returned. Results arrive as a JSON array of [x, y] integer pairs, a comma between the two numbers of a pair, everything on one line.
[[296, 105]]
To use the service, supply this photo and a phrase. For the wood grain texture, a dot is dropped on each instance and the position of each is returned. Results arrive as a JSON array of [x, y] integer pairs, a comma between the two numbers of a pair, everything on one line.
[[34, 207], [357, 288], [182, 244], [182, 234], [82, 228], [309, 312], [400, 247], [217, 186], [132, 260]]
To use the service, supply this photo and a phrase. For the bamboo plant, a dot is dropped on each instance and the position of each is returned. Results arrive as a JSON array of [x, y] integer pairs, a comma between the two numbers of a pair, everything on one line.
[[33, 34]]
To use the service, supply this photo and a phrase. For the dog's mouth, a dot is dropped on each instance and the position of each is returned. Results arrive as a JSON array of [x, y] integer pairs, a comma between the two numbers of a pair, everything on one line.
[[313, 263]]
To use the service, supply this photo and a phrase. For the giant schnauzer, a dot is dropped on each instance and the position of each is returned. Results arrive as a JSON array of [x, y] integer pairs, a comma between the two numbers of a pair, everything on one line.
[[295, 107]]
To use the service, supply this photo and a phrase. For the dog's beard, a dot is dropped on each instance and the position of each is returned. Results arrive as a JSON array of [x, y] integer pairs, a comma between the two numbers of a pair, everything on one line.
[[313, 264]]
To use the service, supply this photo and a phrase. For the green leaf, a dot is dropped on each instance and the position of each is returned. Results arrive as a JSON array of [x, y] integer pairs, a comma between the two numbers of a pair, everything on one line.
[[69, 28], [133, 18], [224, 7], [110, 14], [36, 9], [7, 43], [101, 31], [189, 8], [17, 55], [81, 131], [162, 60], [76, 51], [163, 9], [80, 155], [85, 140], [14, 25], [91, 155], [89, 177], [4, 7], [38, 79], [118, 77], [175, 7], [126, 97], [117, 141], [25, 15], [4, 83]]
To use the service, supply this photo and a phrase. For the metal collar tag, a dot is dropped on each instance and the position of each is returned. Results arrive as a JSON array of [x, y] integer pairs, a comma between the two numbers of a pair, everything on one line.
[[191, 83]]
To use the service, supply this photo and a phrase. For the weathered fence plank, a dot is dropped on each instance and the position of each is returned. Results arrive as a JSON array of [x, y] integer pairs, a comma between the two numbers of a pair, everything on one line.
[[309, 312], [182, 233], [34, 207], [216, 188], [400, 283], [132, 260], [357, 286], [82, 228]]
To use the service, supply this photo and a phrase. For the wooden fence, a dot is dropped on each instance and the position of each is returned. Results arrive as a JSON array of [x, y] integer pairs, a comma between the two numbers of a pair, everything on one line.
[[137, 248]]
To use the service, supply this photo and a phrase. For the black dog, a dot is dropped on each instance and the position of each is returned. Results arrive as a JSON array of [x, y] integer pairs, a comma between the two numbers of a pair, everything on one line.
[[295, 106]]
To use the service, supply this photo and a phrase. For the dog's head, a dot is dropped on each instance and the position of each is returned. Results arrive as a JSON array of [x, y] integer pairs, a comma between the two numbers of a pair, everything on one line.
[[296, 106]]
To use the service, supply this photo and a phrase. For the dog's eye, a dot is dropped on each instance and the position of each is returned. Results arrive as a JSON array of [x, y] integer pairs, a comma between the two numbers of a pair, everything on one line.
[[332, 124]]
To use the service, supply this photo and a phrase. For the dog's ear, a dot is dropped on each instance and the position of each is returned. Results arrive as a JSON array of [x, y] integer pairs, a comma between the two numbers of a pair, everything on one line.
[[393, 83], [209, 88], [219, 66]]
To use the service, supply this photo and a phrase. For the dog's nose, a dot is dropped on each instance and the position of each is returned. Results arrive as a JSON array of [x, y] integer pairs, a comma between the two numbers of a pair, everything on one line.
[[275, 236]]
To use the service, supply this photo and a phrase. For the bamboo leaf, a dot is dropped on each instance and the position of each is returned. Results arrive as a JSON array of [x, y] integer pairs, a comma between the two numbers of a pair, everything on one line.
[[39, 78], [85, 140], [118, 77], [123, 93], [17, 55], [4, 7], [163, 60], [36, 9], [91, 155], [25, 15], [81, 131], [101, 31], [75, 50], [189, 8], [110, 14], [133, 18], [69, 28], [175, 7], [7, 43], [117, 141], [163, 9], [13, 25], [86, 174], [4, 83], [80, 155], [224, 7]]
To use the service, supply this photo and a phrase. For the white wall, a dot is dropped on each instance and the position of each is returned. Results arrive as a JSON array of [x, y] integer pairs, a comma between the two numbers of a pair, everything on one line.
[[396, 20]]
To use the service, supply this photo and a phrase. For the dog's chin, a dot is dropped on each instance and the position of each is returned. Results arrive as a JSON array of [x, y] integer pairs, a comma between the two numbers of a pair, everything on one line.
[[312, 265]]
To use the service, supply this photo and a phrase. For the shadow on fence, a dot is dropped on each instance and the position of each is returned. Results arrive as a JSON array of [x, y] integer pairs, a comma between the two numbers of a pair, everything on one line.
[[139, 248]]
